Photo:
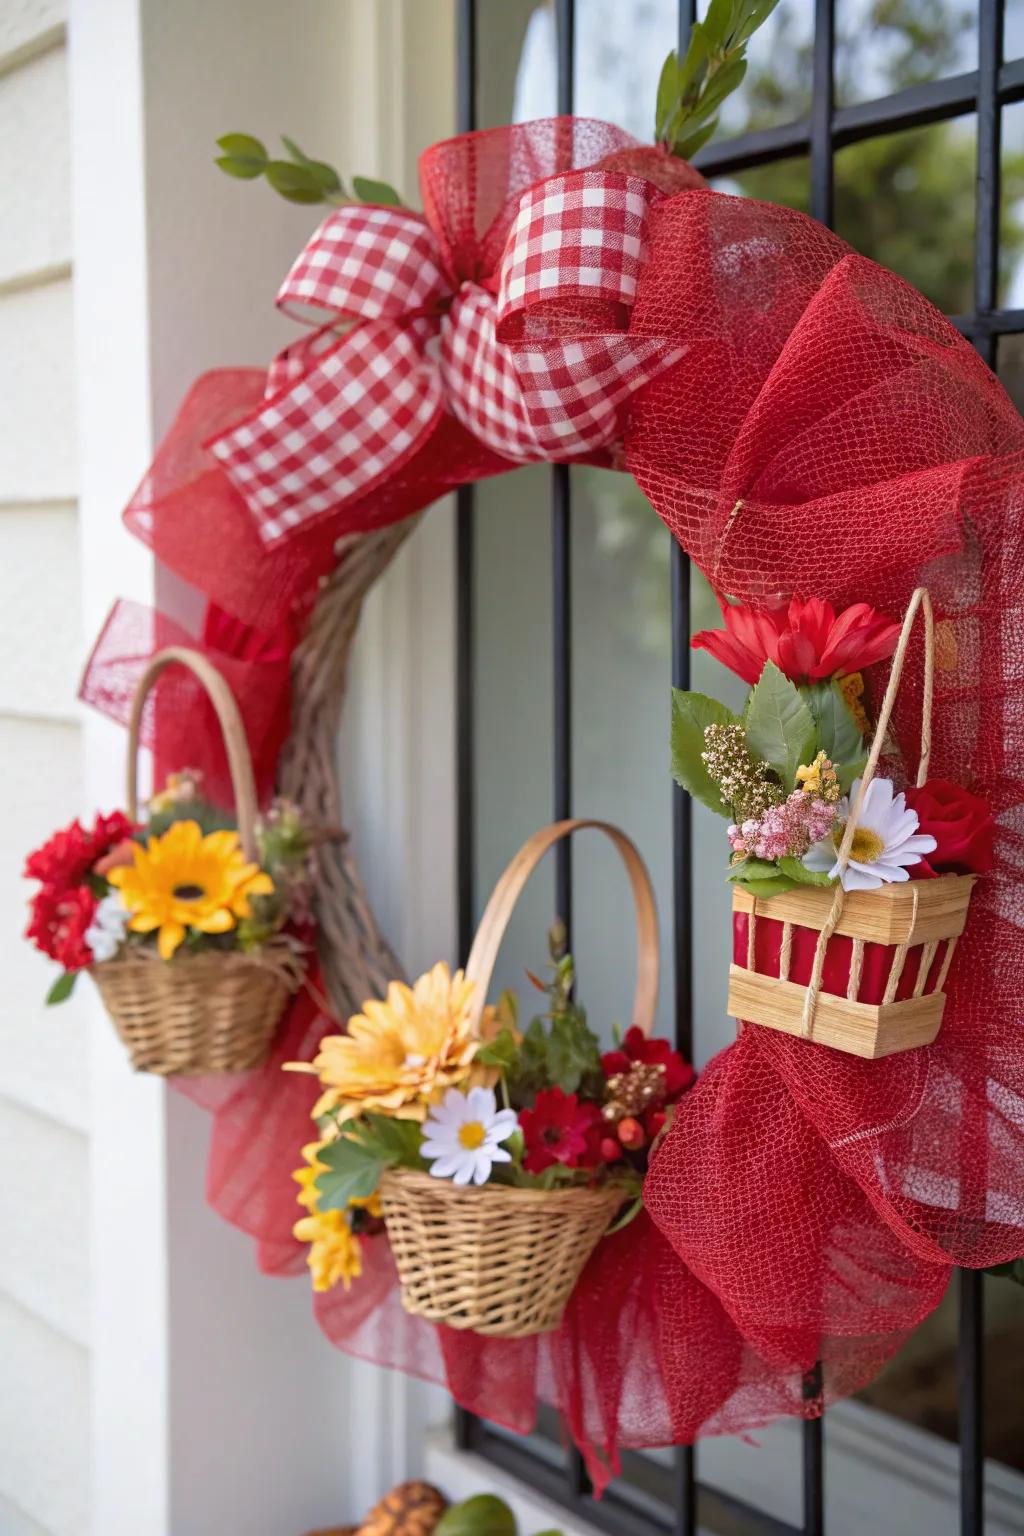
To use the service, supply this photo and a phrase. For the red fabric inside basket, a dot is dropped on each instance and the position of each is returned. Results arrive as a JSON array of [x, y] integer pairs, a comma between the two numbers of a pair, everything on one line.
[[838, 957]]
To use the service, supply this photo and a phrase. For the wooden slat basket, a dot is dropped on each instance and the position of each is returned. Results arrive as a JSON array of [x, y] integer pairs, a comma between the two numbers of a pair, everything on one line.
[[213, 1011], [500, 1260], [879, 989]]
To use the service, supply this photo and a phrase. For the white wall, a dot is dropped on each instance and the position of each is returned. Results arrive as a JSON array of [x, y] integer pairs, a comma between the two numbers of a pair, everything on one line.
[[45, 1329]]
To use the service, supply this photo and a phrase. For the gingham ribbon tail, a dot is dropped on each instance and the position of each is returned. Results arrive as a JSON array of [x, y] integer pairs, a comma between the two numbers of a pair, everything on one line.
[[536, 360]]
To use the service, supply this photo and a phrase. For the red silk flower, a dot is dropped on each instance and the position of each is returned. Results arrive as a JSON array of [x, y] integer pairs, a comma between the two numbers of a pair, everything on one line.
[[679, 1075], [559, 1129], [58, 923], [961, 824], [70, 854], [807, 640]]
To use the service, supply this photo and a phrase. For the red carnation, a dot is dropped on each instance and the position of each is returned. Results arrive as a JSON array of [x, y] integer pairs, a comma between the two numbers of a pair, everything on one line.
[[961, 824], [679, 1075], [807, 640], [559, 1129], [58, 923], [70, 854]]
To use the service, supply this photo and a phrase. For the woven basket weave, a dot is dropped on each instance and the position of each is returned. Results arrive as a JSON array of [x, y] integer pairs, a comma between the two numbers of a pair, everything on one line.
[[216, 1010], [500, 1260], [918, 921]]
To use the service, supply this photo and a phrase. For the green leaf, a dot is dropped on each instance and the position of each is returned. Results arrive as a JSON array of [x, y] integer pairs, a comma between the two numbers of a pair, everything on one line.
[[396, 1142], [668, 94], [839, 735], [353, 1173], [237, 165], [573, 1051], [501, 1052], [687, 147], [243, 145], [847, 772], [754, 869], [717, 21], [797, 871], [297, 183], [325, 176], [379, 192], [691, 713], [632, 1210], [766, 888], [483, 1515], [780, 726], [62, 988]]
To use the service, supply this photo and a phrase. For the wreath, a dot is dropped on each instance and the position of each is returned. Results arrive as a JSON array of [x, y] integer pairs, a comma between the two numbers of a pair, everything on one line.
[[805, 423]]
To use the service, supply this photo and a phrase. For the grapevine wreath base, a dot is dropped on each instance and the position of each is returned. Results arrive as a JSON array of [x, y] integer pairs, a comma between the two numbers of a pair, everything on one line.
[[804, 422]]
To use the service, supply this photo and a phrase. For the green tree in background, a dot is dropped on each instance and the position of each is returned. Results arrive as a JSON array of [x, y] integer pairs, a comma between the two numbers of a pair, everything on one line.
[[905, 199]]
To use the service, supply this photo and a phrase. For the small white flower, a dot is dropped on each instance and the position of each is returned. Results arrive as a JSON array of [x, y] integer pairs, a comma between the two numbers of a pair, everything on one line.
[[885, 844], [462, 1136], [105, 934]]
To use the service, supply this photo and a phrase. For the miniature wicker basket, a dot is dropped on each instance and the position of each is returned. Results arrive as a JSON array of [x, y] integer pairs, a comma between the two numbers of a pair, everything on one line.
[[918, 922], [216, 1010], [499, 1260]]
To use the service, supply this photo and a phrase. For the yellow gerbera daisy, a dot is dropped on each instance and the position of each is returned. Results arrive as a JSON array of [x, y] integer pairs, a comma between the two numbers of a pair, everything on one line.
[[401, 1054], [335, 1253], [184, 880]]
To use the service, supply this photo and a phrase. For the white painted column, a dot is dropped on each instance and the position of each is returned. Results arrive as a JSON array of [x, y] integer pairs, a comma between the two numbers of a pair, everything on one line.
[[217, 1405]]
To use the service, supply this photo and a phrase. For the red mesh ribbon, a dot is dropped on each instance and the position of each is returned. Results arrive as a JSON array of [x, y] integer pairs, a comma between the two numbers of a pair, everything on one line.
[[822, 431]]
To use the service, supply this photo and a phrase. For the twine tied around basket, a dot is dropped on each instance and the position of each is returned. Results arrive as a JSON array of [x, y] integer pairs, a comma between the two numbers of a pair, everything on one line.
[[498, 912], [920, 602]]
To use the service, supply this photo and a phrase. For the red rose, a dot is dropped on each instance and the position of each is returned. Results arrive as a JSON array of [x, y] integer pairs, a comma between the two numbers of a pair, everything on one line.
[[70, 854], [58, 923], [961, 824], [679, 1075], [806, 640], [559, 1129]]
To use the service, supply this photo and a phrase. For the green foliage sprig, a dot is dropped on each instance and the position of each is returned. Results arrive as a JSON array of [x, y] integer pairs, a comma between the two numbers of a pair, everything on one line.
[[690, 93], [299, 179]]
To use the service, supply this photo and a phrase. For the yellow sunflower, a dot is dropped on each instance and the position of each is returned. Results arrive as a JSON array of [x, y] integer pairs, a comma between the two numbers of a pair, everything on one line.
[[184, 880], [401, 1054]]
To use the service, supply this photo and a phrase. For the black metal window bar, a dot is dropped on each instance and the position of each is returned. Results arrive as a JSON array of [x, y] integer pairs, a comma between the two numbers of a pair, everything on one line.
[[827, 128]]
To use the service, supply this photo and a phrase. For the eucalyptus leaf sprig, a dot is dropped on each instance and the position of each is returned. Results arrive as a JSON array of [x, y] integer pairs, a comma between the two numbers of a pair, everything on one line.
[[299, 179], [690, 93]]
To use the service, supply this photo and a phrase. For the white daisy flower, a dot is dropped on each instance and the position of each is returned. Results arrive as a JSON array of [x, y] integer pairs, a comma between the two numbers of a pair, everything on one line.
[[105, 933], [885, 844], [462, 1136]]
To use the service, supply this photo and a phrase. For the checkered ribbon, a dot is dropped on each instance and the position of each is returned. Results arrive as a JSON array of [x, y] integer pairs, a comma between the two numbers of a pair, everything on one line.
[[536, 360]]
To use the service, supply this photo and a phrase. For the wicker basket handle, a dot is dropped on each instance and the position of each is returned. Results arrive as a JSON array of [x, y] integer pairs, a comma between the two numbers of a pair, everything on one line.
[[920, 602], [243, 783], [484, 953]]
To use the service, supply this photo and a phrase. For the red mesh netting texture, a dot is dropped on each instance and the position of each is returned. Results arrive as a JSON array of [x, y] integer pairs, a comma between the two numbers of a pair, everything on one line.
[[825, 433]]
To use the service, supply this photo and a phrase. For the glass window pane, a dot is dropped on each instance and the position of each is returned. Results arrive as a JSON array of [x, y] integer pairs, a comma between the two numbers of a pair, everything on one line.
[[1013, 30], [1011, 368], [884, 46], [1011, 222], [787, 182], [621, 692], [907, 201], [513, 703]]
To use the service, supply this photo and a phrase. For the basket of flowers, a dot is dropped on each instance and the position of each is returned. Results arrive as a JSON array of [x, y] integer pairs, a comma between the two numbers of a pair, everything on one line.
[[188, 924], [849, 895], [497, 1157]]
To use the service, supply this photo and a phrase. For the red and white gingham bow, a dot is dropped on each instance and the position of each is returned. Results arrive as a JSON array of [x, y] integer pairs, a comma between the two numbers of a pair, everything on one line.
[[536, 360]]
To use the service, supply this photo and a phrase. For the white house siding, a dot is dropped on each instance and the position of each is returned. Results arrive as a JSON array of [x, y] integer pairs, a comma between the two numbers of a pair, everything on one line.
[[44, 1112]]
